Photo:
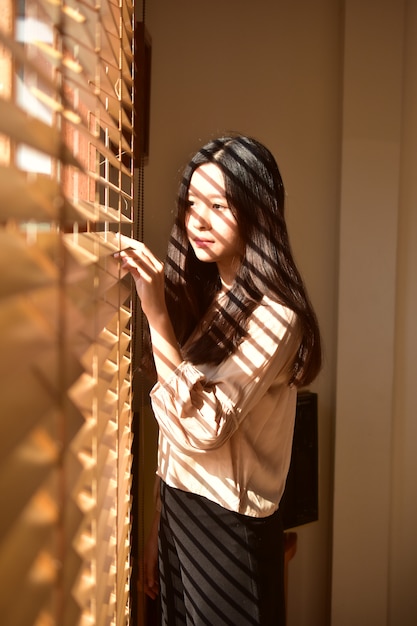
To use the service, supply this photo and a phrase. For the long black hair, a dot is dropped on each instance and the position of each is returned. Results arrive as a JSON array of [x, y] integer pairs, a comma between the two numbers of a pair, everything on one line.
[[255, 194]]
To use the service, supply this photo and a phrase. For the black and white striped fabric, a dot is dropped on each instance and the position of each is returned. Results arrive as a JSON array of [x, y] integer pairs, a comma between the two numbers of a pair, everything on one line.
[[217, 567]]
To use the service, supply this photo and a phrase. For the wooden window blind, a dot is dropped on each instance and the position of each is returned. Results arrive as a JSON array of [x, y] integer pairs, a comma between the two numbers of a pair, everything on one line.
[[66, 180]]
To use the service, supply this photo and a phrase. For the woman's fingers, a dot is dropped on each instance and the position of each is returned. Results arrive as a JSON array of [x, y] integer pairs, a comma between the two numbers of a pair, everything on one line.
[[141, 262], [151, 586], [138, 249], [148, 582], [148, 273], [144, 253]]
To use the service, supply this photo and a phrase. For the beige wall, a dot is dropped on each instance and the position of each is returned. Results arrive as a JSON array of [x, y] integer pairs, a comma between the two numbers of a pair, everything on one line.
[[375, 506], [276, 70], [402, 603]]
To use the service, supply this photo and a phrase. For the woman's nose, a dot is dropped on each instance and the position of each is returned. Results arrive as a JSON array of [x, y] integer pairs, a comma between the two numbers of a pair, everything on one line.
[[201, 217]]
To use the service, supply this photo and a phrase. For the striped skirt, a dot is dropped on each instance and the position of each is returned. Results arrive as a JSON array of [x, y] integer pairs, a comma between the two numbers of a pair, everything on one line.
[[218, 567]]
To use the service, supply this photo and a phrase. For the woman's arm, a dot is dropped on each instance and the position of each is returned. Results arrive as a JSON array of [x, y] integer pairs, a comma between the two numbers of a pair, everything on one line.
[[198, 411], [199, 407], [148, 273]]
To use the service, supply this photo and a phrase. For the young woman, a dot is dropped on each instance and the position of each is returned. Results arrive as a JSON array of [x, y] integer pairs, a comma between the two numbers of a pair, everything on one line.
[[233, 334]]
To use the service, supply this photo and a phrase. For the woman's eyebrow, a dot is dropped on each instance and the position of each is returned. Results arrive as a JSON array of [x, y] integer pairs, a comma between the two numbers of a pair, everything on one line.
[[213, 196]]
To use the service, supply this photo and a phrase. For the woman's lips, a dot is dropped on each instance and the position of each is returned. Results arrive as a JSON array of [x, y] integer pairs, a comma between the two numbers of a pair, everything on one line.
[[203, 243]]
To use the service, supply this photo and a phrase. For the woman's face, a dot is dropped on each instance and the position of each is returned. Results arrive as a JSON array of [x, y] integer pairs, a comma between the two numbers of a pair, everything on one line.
[[211, 226]]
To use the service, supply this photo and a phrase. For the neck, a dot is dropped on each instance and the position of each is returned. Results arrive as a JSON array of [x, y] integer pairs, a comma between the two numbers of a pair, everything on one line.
[[225, 285], [227, 273]]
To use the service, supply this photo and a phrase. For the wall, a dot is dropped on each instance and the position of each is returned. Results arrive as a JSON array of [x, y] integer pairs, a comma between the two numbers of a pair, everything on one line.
[[402, 603], [330, 87], [375, 509], [274, 73]]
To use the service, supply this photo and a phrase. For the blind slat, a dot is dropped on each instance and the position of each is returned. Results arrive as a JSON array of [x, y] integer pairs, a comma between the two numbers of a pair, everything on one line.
[[25, 197], [29, 268], [29, 464], [23, 333], [27, 538], [65, 313], [23, 128]]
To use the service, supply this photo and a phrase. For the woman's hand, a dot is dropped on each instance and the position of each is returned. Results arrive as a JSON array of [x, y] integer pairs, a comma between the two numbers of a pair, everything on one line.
[[148, 273], [150, 561]]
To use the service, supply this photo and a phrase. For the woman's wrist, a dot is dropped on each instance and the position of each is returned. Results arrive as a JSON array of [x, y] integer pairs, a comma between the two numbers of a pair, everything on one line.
[[165, 350]]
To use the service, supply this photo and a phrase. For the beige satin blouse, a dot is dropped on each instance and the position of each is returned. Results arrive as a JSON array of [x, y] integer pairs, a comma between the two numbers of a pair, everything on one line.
[[225, 431]]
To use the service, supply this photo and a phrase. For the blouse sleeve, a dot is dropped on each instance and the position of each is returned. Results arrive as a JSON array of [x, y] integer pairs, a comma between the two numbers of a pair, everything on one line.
[[199, 408]]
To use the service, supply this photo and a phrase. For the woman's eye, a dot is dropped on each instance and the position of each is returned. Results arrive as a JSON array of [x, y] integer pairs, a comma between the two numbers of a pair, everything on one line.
[[219, 206]]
